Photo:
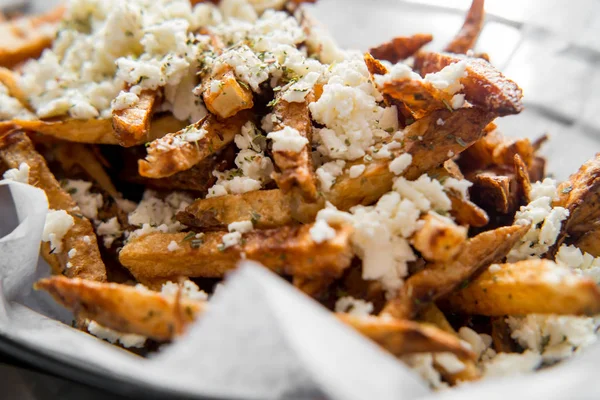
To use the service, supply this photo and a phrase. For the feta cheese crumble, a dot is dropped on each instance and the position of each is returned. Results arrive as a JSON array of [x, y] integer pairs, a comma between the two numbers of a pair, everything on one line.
[[126, 339], [173, 246], [352, 306], [400, 163], [20, 174], [58, 223], [288, 139], [109, 231], [321, 232], [189, 290], [154, 214], [88, 202]]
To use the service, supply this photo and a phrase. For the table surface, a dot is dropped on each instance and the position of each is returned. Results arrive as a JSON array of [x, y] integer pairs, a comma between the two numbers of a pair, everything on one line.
[[550, 47]]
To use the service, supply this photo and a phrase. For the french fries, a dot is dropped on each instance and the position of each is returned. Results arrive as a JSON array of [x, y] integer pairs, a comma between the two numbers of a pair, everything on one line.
[[400, 48], [124, 308], [438, 280], [132, 125], [16, 148], [439, 239], [225, 96], [466, 38], [180, 151], [527, 287], [287, 250]]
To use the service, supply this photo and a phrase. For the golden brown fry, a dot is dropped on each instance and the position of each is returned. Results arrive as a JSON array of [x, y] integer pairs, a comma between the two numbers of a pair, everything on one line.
[[496, 149], [124, 308], [484, 85], [501, 339], [433, 315], [439, 239], [288, 250], [313, 287], [523, 181], [265, 208], [173, 153], [98, 131], [132, 125], [590, 242], [225, 96], [401, 47], [374, 66], [461, 129], [16, 148], [438, 280], [401, 337], [497, 192], [465, 212], [466, 38], [23, 38], [527, 287], [296, 170], [7, 78]]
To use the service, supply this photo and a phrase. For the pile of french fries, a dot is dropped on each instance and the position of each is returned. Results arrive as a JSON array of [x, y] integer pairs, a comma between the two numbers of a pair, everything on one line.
[[466, 270]]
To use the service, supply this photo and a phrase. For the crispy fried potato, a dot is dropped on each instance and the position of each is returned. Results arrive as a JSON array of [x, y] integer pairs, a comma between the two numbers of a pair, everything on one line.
[[7, 78], [296, 172], [16, 148], [461, 128], [590, 242], [132, 125], [401, 47], [439, 239], [401, 337], [374, 66], [287, 250], [527, 287], [27, 37], [523, 181], [225, 96], [466, 38], [496, 149], [495, 191], [124, 308], [420, 97], [465, 212], [484, 85], [501, 339], [433, 315], [174, 153], [265, 208], [313, 287], [98, 131], [438, 280]]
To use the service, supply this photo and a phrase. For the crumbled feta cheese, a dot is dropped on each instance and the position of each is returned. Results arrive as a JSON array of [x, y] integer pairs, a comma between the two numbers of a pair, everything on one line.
[[425, 193], [328, 172], [58, 223], [240, 226], [72, 253], [321, 43], [512, 363], [423, 365], [154, 214], [400, 163], [478, 343], [449, 362], [581, 262], [231, 239], [297, 92], [352, 306], [399, 71], [11, 108], [356, 170], [126, 339], [288, 139], [321, 232], [457, 101], [109, 230], [69, 265], [88, 202], [448, 79], [189, 290], [440, 122], [545, 188], [125, 100], [87, 240], [459, 185], [20, 174], [173, 246], [494, 268]]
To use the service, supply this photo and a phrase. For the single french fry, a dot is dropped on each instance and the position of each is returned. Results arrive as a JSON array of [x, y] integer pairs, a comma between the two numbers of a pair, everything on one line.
[[401, 337], [97, 131], [16, 148], [461, 129], [225, 96], [400, 48], [7, 78], [433, 315], [466, 38], [132, 125], [440, 279], [173, 153], [527, 287], [24, 38], [590, 242], [495, 191], [420, 97], [313, 287], [465, 212], [523, 181], [288, 250], [496, 149], [439, 239], [296, 171], [484, 85], [124, 308], [374, 66]]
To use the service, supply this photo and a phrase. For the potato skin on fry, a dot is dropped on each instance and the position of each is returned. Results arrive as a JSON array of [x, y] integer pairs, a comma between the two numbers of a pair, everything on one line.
[[401, 337], [527, 287], [17, 148], [401, 47], [97, 131], [439, 239], [229, 98], [484, 85], [466, 38], [132, 125], [124, 308], [288, 250], [440, 279]]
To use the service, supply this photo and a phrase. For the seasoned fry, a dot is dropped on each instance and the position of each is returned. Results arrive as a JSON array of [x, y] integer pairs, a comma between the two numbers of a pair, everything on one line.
[[484, 85], [495, 192], [313, 287], [438, 280], [465, 212], [296, 171], [27, 37], [420, 97], [461, 128], [401, 337], [7, 78], [433, 315], [496, 149], [466, 38], [225, 96], [590, 242], [124, 308], [401, 47], [98, 131], [16, 148], [523, 181], [439, 239], [132, 125], [527, 287], [287, 250], [180, 151]]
